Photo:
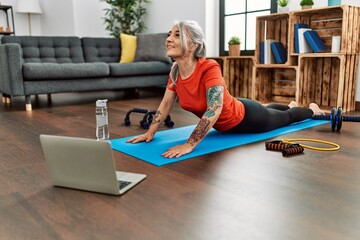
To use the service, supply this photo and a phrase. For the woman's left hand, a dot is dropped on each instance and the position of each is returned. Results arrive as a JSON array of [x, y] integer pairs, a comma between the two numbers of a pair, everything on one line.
[[178, 151]]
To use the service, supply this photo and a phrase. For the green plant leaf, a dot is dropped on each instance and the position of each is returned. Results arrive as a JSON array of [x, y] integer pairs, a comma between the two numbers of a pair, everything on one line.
[[125, 16]]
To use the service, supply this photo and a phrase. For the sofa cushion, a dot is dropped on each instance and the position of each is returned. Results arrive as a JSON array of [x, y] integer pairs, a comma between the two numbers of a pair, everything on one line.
[[45, 71], [48, 49], [151, 47], [101, 49], [139, 68], [128, 47]]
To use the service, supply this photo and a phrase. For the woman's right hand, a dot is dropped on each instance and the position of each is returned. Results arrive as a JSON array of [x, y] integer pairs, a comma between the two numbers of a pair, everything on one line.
[[146, 137]]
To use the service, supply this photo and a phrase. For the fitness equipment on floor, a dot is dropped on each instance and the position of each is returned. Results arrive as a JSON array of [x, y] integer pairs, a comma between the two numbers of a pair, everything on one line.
[[296, 140], [336, 118], [285, 148], [147, 119]]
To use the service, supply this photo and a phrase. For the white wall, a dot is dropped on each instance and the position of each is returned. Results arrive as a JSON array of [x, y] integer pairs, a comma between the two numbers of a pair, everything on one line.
[[88, 21], [295, 5], [85, 18], [212, 28], [58, 18], [163, 13]]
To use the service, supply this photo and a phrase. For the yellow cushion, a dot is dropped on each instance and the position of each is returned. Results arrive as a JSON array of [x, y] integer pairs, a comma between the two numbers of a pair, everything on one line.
[[128, 47]]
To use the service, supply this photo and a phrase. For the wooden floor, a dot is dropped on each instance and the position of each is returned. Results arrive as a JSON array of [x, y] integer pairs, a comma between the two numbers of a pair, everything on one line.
[[241, 193]]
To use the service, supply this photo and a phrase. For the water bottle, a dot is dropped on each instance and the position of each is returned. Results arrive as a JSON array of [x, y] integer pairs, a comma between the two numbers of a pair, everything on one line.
[[102, 124]]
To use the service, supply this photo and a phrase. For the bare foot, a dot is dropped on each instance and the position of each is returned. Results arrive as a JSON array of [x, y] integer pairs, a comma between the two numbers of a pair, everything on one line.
[[293, 104], [315, 108]]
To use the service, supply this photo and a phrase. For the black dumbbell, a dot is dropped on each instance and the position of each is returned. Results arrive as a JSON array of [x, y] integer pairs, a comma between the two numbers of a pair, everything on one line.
[[336, 118]]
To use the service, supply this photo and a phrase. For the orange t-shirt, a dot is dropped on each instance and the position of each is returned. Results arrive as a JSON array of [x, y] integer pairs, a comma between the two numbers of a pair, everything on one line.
[[192, 94]]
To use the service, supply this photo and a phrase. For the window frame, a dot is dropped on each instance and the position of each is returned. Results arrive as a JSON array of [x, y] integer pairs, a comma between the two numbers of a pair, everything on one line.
[[273, 9]]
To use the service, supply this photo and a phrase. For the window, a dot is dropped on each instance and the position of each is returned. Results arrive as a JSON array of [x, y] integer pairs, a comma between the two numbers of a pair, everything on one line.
[[238, 18]]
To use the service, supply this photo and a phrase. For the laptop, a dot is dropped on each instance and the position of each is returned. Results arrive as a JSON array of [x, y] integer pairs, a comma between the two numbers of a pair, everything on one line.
[[85, 164]]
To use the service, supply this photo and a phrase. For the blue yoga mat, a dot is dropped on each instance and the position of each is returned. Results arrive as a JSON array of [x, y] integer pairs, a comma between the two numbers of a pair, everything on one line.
[[213, 142]]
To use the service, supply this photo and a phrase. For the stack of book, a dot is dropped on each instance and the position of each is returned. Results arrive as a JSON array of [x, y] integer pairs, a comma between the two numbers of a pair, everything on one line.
[[307, 40], [272, 51]]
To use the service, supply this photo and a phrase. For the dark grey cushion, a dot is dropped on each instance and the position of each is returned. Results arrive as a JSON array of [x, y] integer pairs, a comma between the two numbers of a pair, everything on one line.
[[45, 71], [101, 49], [151, 47], [138, 68], [48, 49]]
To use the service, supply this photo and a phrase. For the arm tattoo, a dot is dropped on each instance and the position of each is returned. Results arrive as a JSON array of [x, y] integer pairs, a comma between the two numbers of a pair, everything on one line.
[[214, 97], [156, 118], [199, 132]]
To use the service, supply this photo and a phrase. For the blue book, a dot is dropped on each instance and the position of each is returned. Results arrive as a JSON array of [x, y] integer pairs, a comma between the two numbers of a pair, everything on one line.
[[315, 42], [262, 53], [279, 52], [297, 26]]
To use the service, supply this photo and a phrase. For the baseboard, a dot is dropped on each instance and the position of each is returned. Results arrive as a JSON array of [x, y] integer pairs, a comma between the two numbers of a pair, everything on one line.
[[357, 105]]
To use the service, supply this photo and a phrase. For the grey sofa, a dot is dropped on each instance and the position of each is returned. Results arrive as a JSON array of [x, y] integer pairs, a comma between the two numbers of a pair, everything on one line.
[[32, 65]]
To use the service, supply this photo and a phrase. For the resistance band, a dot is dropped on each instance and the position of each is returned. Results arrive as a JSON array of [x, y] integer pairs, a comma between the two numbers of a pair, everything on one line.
[[293, 141]]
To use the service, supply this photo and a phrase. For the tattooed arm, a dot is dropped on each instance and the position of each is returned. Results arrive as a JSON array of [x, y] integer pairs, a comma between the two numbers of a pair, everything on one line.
[[214, 97], [162, 112]]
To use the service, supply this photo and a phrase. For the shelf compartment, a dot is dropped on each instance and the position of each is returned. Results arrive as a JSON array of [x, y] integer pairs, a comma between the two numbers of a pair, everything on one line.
[[7, 10], [321, 79], [237, 73], [274, 26], [274, 83], [328, 22]]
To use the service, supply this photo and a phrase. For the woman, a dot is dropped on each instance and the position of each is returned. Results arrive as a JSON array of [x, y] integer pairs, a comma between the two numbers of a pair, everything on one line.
[[198, 84]]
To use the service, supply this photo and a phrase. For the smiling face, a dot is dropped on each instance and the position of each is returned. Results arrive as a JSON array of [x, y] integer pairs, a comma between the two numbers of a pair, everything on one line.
[[176, 48], [173, 43]]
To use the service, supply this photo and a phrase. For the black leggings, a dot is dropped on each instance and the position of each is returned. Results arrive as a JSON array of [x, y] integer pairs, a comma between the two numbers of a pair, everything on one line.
[[259, 118]]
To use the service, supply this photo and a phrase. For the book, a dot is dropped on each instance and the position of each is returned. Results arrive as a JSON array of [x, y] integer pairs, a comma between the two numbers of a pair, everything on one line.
[[297, 26], [262, 54], [268, 54], [279, 52], [304, 46], [315, 42]]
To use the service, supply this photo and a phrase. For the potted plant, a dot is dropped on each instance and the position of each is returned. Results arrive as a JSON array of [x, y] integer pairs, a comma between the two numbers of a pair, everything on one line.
[[283, 5], [125, 16], [306, 4], [234, 46]]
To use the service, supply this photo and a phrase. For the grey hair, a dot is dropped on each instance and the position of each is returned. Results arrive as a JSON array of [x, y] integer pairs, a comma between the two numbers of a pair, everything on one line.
[[193, 31]]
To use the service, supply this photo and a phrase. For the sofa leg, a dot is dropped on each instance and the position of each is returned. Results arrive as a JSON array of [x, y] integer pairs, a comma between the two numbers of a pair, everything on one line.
[[6, 99], [28, 103]]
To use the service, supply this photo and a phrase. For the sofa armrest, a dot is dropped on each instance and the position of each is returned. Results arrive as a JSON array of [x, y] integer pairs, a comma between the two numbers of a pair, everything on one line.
[[11, 79]]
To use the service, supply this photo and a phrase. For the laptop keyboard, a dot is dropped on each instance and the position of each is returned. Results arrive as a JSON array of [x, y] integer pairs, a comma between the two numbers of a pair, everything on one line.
[[123, 184]]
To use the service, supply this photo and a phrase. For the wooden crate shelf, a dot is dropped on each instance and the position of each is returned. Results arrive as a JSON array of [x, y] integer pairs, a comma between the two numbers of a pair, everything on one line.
[[321, 80], [274, 84], [274, 26], [328, 22], [329, 79], [237, 73]]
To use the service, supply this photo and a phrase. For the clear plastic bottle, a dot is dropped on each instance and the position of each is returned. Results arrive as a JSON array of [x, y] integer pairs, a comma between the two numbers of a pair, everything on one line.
[[102, 124]]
